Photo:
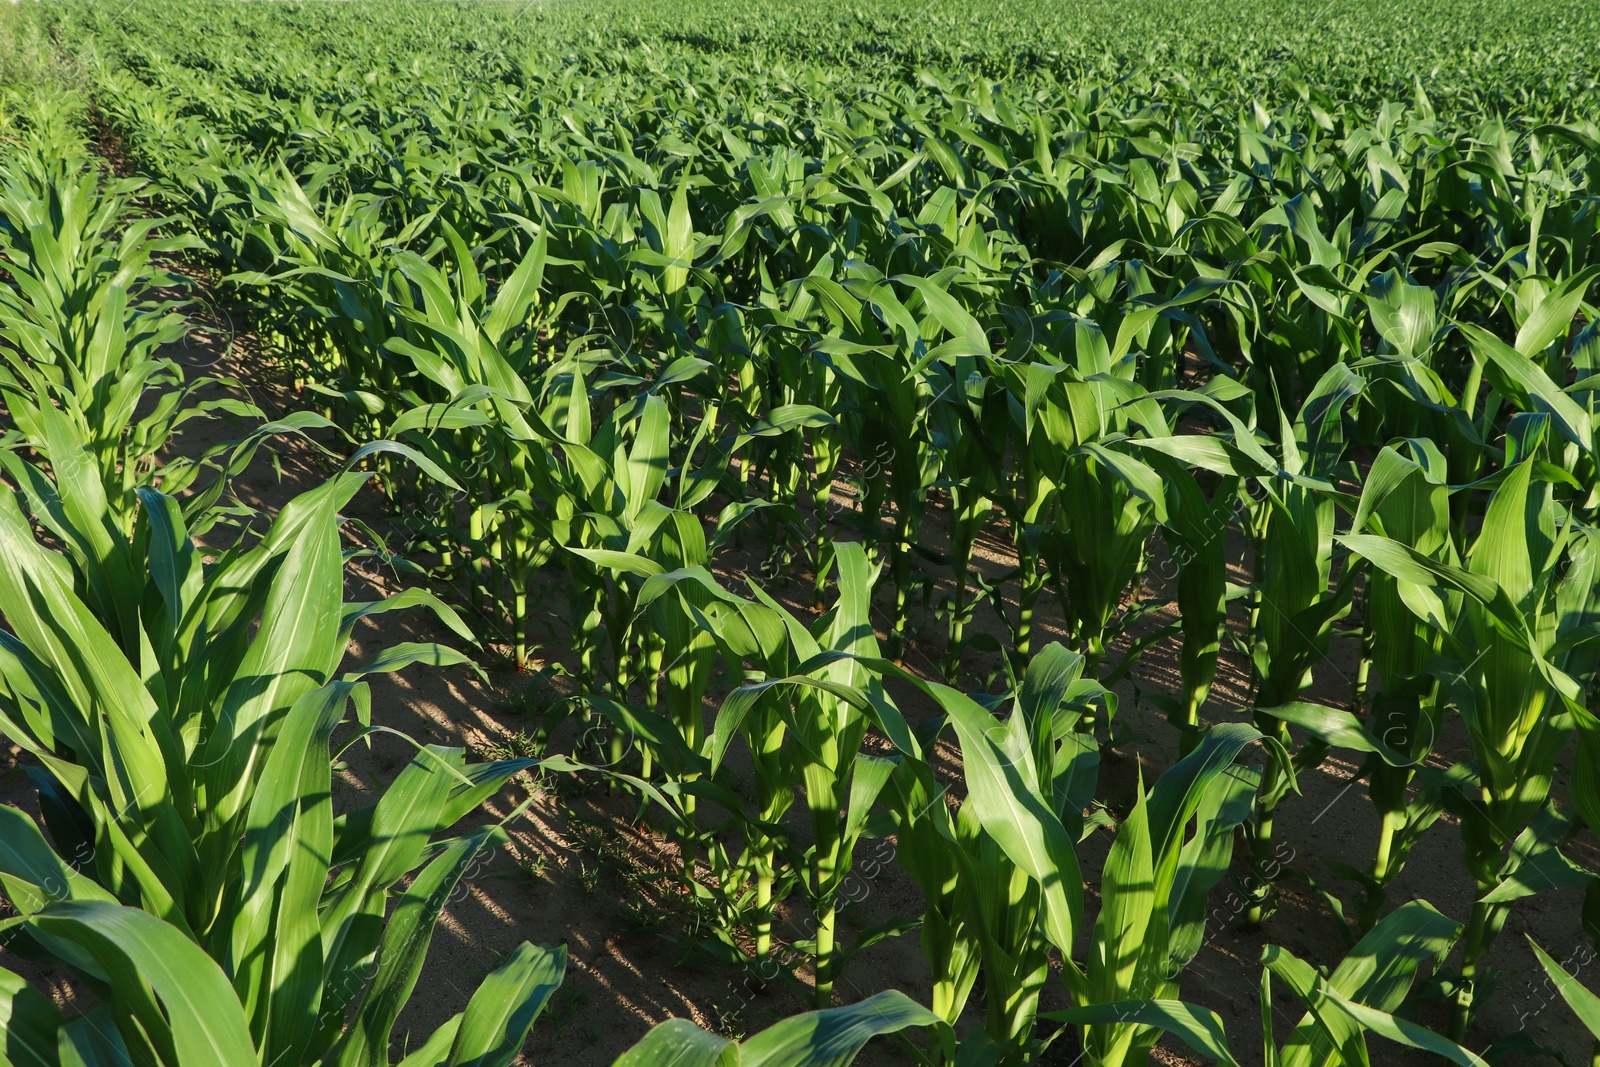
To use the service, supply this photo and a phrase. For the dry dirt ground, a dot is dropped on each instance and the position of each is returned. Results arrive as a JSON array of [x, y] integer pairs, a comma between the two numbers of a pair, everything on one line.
[[585, 867]]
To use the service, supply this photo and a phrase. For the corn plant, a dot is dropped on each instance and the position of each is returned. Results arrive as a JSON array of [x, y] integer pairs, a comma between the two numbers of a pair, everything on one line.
[[1294, 607], [1361, 995], [837, 695], [984, 915], [1101, 507], [1404, 498], [204, 796], [332, 257], [887, 399], [1019, 876], [278, 995], [814, 742], [1506, 618], [1195, 527], [972, 417], [79, 340], [172, 1005]]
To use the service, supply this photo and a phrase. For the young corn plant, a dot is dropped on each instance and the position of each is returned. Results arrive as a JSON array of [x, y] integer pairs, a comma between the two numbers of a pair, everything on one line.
[[754, 642], [984, 915], [1404, 498], [168, 1003], [625, 534], [886, 392], [292, 984], [813, 742], [1408, 395], [668, 724], [186, 747], [469, 355], [80, 342], [165, 1001], [834, 676], [1511, 621], [1021, 775], [1098, 505], [1195, 529], [700, 620], [972, 417], [333, 259], [1153, 921], [1362, 995], [1295, 608]]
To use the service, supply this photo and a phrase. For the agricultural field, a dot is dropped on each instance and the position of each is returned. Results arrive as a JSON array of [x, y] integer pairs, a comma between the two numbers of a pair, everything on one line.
[[794, 534]]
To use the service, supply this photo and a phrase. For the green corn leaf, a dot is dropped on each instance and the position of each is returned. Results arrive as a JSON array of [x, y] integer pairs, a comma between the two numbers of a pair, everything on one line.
[[789, 417], [1215, 454], [93, 1040], [949, 313], [433, 470], [407, 598], [1003, 790], [1545, 870], [1199, 1028], [482, 781], [431, 417], [682, 369], [181, 999], [1584, 1004], [434, 1051], [28, 1024], [1552, 319], [626, 562], [32, 874], [1326, 1035], [1336, 727], [72, 659], [680, 1043], [646, 469], [399, 656], [294, 651], [1522, 380], [1404, 1032], [1375, 975], [1127, 905], [175, 566], [871, 774], [406, 936], [1379, 969], [656, 731], [1141, 480], [832, 1037], [1424, 573], [505, 1006], [1226, 803], [1404, 315], [517, 293]]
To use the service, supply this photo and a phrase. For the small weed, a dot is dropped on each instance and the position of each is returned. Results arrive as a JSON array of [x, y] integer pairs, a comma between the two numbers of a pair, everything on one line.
[[642, 912], [535, 868], [565, 1006], [515, 746], [588, 877], [518, 745]]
